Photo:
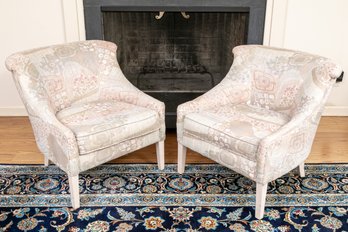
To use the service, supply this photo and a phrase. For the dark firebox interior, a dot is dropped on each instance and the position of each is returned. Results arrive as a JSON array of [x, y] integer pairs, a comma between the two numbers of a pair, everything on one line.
[[173, 58]]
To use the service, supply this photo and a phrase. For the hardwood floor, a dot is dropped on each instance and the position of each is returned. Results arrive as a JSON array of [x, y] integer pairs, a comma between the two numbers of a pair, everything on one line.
[[17, 144]]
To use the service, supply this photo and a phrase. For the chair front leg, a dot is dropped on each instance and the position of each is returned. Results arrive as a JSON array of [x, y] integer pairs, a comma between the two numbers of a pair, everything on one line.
[[74, 191], [160, 154], [301, 169], [181, 158], [261, 191], [47, 161]]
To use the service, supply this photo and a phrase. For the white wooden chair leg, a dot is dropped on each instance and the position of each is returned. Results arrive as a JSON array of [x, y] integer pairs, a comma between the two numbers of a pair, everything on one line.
[[47, 161], [74, 191], [261, 191], [160, 154], [181, 158], [302, 171]]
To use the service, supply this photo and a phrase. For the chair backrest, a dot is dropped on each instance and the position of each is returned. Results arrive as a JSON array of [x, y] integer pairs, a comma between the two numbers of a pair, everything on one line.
[[63, 73], [280, 79]]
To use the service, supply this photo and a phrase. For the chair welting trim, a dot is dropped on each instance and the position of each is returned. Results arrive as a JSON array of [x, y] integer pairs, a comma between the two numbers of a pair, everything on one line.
[[83, 110], [261, 119]]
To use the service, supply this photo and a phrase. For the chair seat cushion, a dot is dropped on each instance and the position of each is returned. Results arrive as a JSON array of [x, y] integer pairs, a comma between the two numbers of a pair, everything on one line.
[[237, 128], [102, 124]]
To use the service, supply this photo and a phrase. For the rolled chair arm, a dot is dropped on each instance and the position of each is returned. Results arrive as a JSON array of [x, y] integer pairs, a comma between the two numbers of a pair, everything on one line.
[[119, 88], [64, 137], [45, 124], [227, 92], [231, 90], [283, 150], [139, 98]]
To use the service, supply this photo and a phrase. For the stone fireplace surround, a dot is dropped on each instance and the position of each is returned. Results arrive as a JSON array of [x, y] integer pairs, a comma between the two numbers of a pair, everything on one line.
[[250, 15]]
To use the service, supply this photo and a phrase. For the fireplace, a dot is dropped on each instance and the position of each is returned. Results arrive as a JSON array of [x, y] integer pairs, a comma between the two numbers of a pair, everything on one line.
[[175, 50]]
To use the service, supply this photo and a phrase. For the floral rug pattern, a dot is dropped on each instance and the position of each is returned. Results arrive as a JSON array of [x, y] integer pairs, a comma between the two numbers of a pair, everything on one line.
[[142, 198]]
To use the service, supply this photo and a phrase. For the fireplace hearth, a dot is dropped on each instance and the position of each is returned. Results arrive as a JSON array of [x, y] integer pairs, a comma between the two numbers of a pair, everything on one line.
[[175, 50]]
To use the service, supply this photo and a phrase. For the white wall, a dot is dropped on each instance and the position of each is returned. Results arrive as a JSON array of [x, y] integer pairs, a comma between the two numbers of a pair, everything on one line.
[[317, 26], [26, 24]]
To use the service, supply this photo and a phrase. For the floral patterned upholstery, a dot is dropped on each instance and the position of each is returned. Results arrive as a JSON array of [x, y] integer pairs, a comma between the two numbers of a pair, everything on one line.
[[83, 110], [237, 128], [101, 124], [261, 119]]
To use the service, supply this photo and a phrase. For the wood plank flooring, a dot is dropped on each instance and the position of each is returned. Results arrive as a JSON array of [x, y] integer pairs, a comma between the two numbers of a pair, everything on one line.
[[17, 144]]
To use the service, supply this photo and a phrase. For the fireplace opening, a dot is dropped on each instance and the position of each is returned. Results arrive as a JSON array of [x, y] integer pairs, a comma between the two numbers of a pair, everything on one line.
[[174, 58], [179, 55], [173, 53]]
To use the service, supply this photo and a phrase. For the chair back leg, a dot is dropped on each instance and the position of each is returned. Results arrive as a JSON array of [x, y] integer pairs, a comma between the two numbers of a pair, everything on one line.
[[160, 154], [181, 158], [74, 191], [261, 191], [301, 169], [47, 161]]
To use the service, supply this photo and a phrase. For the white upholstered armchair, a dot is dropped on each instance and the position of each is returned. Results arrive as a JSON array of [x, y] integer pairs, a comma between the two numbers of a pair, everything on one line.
[[260, 121], [83, 111]]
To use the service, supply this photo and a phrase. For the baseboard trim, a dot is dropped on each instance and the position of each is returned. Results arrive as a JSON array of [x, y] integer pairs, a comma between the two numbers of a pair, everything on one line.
[[335, 111], [13, 111], [328, 111]]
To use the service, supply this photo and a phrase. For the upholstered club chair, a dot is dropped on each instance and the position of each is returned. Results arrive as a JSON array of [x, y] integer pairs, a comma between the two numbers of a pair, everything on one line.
[[83, 111], [260, 121]]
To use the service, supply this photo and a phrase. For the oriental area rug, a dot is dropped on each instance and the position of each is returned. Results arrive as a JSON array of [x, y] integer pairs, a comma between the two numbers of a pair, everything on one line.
[[141, 198]]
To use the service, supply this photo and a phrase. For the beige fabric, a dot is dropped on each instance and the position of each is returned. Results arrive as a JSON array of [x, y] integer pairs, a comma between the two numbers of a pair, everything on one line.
[[237, 128], [81, 105], [224, 157], [101, 124], [102, 156], [262, 118]]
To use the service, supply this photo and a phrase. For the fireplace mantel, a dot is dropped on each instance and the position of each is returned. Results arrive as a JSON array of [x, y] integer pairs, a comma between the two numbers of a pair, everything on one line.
[[257, 8]]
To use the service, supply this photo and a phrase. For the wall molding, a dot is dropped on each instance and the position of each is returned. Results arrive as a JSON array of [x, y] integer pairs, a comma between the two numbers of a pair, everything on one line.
[[276, 18], [268, 23], [74, 23], [21, 111]]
